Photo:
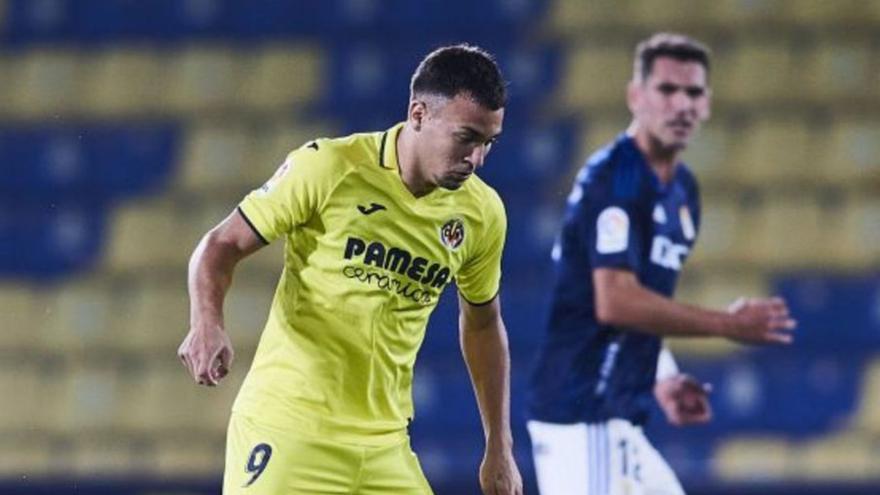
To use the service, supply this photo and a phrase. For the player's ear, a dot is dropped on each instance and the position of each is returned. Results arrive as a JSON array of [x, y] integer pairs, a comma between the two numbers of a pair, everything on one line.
[[417, 113], [633, 94]]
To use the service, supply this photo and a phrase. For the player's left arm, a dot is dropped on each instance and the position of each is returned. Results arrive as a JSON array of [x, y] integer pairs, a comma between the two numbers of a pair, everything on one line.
[[484, 346]]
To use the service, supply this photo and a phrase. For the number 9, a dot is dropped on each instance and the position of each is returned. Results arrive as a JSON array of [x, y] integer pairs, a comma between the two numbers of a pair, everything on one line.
[[258, 461]]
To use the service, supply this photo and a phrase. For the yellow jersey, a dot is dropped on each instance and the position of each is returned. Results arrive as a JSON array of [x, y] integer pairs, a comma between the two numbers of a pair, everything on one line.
[[364, 265]]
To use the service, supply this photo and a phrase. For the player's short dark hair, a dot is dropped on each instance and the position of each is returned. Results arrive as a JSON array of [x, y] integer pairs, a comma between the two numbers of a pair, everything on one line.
[[677, 46], [461, 69]]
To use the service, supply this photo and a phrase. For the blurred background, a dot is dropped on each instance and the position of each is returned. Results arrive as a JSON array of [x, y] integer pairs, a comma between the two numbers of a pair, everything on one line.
[[130, 127]]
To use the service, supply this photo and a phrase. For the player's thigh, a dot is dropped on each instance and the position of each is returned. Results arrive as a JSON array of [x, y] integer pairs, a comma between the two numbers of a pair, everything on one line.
[[393, 469], [635, 466], [562, 464], [266, 461], [659, 478]]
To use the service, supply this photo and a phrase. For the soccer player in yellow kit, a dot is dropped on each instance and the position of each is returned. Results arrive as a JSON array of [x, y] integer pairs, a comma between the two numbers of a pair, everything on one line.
[[375, 225]]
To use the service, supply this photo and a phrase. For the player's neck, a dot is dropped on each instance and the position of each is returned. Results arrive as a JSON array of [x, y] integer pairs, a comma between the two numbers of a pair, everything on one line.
[[408, 164], [661, 159]]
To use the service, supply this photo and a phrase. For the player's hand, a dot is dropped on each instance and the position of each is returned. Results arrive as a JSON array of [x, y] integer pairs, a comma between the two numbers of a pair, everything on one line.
[[207, 354], [499, 474], [684, 400], [761, 321]]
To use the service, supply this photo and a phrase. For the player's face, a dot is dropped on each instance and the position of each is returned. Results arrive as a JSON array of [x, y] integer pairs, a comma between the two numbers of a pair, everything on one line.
[[671, 103], [456, 136]]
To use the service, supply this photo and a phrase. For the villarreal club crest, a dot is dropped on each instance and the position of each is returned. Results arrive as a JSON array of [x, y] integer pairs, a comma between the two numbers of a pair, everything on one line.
[[452, 233]]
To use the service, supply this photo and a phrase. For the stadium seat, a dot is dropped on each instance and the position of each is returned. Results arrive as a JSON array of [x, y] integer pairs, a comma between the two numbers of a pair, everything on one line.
[[188, 457], [749, 13], [839, 70], [87, 397], [860, 245], [279, 76], [202, 79], [81, 319], [30, 456], [851, 153], [148, 151], [867, 416], [54, 239], [108, 457], [573, 16], [24, 312], [776, 152], [156, 318], [149, 234], [40, 85], [534, 154], [788, 233], [599, 133], [753, 71], [169, 402], [595, 76], [671, 14], [22, 386], [215, 157], [121, 83], [754, 459], [709, 154], [817, 13], [722, 239], [848, 456]]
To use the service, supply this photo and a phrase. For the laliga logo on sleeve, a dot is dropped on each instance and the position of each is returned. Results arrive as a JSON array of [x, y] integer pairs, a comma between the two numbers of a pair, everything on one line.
[[281, 172], [612, 230], [452, 233]]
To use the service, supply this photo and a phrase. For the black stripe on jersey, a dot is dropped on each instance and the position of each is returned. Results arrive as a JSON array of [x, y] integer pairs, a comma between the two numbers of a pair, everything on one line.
[[251, 225], [382, 150], [482, 303]]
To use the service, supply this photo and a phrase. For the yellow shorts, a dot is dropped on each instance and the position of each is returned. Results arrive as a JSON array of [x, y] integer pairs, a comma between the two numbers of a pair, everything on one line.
[[261, 460]]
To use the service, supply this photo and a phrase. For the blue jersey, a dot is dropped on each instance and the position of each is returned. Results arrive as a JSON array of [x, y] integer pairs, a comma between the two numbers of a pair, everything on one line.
[[619, 215]]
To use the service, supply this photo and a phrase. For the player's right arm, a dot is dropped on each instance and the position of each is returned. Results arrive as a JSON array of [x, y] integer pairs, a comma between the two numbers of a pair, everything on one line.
[[288, 199], [620, 300], [207, 350]]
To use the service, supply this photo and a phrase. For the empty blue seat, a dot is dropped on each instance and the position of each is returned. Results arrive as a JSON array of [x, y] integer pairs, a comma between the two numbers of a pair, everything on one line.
[[39, 21], [838, 311], [48, 240], [91, 161], [372, 74], [132, 160]]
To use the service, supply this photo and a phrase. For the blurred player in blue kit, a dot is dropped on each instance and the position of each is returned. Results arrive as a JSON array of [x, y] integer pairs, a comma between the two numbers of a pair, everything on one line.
[[633, 215]]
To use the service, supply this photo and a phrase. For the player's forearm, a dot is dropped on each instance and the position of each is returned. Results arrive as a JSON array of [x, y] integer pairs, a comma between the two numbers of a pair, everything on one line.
[[487, 356], [637, 307], [210, 275]]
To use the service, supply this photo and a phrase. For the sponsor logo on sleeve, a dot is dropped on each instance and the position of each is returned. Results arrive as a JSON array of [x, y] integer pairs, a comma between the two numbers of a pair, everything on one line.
[[612, 230]]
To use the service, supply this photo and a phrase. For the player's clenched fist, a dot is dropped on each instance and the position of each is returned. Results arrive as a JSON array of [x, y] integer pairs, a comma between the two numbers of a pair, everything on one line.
[[499, 474], [207, 354], [761, 321]]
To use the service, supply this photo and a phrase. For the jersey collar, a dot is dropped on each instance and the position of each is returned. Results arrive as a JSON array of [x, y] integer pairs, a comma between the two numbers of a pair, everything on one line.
[[636, 154], [388, 148]]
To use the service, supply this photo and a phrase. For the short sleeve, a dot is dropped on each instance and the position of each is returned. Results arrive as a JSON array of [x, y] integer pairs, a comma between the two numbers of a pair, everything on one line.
[[479, 278], [290, 198], [614, 234]]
